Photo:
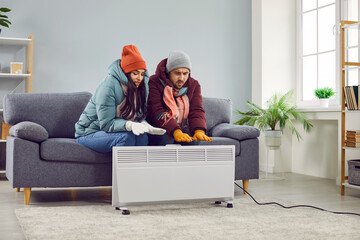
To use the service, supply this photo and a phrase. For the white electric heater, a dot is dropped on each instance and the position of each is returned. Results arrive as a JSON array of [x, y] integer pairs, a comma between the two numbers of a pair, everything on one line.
[[172, 173]]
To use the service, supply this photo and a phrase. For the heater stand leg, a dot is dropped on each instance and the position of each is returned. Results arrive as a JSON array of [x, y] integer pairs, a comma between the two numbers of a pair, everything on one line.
[[229, 204], [125, 211]]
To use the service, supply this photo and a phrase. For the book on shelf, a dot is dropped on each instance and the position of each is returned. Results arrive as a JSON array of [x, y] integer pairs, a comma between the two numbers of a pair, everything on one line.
[[352, 144], [351, 139], [351, 135], [351, 100], [354, 132], [347, 98], [352, 97]]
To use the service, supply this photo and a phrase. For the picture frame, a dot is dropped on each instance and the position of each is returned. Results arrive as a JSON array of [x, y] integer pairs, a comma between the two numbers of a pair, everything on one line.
[[16, 67]]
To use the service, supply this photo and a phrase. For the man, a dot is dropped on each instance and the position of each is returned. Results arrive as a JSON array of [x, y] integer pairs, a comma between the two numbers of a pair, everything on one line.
[[175, 102]]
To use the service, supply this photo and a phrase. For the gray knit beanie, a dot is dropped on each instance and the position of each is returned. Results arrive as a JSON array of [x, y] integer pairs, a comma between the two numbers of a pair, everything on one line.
[[178, 59]]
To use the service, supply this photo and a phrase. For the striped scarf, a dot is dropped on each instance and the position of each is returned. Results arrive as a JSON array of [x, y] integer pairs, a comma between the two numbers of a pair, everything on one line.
[[178, 104]]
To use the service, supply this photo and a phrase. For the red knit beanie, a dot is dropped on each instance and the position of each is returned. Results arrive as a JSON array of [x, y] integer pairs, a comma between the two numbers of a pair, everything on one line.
[[131, 59]]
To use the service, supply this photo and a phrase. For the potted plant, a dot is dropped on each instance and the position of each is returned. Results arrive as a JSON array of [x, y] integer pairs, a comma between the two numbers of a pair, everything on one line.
[[323, 94], [279, 111], [3, 18]]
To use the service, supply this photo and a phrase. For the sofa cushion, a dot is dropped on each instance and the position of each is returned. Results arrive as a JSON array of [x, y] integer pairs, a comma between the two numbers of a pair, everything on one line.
[[67, 149], [56, 112], [235, 131], [224, 141], [217, 111], [29, 131]]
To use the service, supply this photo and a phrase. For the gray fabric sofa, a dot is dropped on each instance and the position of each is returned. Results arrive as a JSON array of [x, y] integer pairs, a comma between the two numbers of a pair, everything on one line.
[[42, 151]]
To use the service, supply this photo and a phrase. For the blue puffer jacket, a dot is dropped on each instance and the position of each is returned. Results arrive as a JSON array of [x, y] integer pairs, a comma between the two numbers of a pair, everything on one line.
[[100, 112]]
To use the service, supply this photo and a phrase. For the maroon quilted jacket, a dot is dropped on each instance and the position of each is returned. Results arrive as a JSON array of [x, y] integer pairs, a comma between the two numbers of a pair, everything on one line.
[[156, 105]]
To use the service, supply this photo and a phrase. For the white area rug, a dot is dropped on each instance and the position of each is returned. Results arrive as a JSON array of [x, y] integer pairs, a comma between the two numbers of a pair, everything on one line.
[[185, 221]]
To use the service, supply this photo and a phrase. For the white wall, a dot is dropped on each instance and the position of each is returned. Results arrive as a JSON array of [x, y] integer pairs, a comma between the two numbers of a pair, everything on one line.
[[256, 51], [317, 154], [75, 41], [274, 59], [274, 49], [279, 46]]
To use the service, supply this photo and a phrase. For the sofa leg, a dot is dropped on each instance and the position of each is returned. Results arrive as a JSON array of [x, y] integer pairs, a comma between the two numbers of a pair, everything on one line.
[[73, 194], [246, 185], [17, 189], [27, 192]]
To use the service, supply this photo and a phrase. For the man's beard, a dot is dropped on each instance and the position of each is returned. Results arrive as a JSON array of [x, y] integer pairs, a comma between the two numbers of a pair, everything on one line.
[[177, 83]]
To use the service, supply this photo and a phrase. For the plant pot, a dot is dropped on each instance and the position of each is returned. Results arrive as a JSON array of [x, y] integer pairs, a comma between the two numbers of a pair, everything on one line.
[[273, 138], [324, 102]]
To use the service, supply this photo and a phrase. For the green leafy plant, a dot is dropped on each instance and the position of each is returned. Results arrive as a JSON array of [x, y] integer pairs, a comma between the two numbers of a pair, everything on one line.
[[3, 18], [279, 110], [324, 92]]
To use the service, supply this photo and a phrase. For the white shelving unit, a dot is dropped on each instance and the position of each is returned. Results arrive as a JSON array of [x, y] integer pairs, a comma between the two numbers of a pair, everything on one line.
[[351, 25], [15, 41], [9, 75], [20, 43], [345, 67], [346, 184], [351, 148], [28, 43]]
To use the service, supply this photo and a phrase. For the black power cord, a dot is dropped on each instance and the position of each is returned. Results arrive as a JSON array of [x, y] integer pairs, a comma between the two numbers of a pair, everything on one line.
[[295, 206]]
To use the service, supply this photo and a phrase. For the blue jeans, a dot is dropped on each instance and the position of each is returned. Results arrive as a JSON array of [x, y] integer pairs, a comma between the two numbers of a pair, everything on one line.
[[104, 141]]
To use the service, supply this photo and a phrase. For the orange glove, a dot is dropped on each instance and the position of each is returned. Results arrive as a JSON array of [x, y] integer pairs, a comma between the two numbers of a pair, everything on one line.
[[179, 136], [200, 136]]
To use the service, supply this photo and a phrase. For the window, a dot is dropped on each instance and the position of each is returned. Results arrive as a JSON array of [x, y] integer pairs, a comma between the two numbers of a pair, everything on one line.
[[317, 48]]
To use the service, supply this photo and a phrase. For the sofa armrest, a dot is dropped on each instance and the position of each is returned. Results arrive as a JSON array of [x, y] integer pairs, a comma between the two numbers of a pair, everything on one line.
[[30, 131], [238, 132]]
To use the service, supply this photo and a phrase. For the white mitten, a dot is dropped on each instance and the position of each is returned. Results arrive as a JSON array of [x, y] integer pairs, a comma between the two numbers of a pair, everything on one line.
[[136, 128], [154, 130]]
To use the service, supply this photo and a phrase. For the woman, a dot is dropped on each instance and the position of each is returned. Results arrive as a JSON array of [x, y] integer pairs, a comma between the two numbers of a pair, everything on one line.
[[115, 115]]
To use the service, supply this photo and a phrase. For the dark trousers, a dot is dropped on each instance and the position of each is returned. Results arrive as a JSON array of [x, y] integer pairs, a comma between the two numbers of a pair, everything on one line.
[[162, 140]]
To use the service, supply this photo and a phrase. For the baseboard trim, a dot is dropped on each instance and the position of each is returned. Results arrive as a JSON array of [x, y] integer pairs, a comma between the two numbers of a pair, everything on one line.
[[338, 181], [263, 168]]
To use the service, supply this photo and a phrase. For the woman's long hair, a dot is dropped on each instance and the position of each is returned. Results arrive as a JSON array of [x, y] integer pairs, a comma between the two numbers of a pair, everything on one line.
[[130, 109]]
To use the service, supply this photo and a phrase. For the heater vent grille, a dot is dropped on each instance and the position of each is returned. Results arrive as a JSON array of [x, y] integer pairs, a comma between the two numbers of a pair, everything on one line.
[[130, 156], [192, 155], [162, 155], [220, 154], [171, 155]]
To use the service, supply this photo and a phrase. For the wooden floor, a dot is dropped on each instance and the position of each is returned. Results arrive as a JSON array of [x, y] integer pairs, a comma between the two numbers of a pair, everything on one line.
[[299, 189]]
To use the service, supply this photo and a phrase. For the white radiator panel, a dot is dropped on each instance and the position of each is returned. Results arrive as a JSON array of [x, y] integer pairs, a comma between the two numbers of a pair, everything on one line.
[[162, 155], [130, 156], [151, 174]]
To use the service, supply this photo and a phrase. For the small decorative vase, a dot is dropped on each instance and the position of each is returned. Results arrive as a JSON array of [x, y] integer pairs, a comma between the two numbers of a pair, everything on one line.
[[273, 138], [324, 102]]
